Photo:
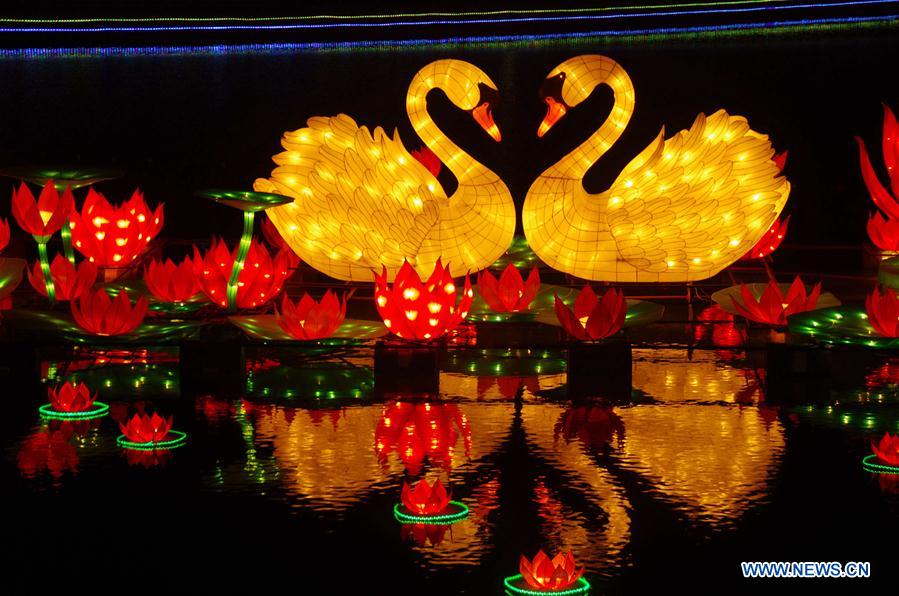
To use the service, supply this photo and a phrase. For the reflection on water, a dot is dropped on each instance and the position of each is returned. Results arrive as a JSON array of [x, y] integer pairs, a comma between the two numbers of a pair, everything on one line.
[[714, 462], [698, 448]]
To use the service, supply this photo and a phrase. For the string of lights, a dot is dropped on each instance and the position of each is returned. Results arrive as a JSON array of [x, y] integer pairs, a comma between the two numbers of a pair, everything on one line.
[[644, 35], [420, 19]]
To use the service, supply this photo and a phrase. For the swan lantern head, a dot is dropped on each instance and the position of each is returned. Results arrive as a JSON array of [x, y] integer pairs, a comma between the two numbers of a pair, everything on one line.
[[483, 111], [556, 108], [566, 86]]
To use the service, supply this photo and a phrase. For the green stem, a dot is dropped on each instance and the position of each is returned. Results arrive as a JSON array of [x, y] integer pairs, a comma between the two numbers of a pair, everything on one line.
[[45, 268], [66, 233], [242, 251]]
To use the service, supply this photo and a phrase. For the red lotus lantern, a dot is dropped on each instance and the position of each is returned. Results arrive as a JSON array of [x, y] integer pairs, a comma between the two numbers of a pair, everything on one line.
[[545, 574], [276, 241], [413, 309], [511, 293], [142, 428], [718, 323], [260, 280], [418, 430], [114, 236], [97, 313], [4, 234], [884, 233], [773, 308], [71, 398], [308, 319], [887, 451], [172, 283], [44, 217], [69, 282], [428, 159], [770, 241], [881, 197], [883, 312], [425, 499], [593, 318]]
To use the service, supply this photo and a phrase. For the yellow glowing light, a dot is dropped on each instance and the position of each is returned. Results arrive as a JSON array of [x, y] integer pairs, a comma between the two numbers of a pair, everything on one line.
[[382, 301], [377, 204], [682, 200], [410, 294]]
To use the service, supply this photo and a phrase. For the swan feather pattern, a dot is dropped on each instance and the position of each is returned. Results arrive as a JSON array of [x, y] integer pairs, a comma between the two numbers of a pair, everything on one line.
[[362, 201], [683, 209]]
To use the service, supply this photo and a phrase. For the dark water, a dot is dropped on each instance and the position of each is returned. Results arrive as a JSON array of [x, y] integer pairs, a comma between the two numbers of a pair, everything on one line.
[[278, 489]]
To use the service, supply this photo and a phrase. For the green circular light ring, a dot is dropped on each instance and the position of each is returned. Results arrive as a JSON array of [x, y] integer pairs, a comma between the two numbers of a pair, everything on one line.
[[178, 440], [457, 511], [515, 584], [98, 410], [246, 200], [869, 463]]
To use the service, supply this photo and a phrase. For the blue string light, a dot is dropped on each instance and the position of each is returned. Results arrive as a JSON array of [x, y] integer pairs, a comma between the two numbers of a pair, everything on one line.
[[440, 22], [291, 47]]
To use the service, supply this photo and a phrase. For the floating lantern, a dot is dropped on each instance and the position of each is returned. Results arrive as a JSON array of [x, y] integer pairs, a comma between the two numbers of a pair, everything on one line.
[[418, 310], [69, 281], [428, 504], [72, 402], [885, 459], [772, 307], [149, 433], [250, 203], [682, 210], [593, 318], [259, 277], [883, 312], [172, 283], [308, 319], [511, 293], [558, 576], [97, 313], [42, 219], [4, 234], [363, 202], [114, 236]]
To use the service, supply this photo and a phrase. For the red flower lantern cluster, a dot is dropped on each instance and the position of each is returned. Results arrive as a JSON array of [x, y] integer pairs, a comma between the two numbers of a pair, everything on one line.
[[413, 309], [308, 319], [592, 317], [545, 574], [425, 499], [142, 428], [773, 308], [71, 398], [172, 283], [44, 217], [114, 236], [4, 234], [97, 313], [887, 451], [70, 282], [883, 312], [884, 233], [511, 293], [260, 280]]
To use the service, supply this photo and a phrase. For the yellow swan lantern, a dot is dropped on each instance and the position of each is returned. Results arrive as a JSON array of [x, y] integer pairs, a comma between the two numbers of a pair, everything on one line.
[[362, 201], [684, 209]]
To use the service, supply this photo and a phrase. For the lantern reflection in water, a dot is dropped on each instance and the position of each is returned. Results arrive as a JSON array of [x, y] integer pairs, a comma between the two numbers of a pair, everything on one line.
[[669, 375], [712, 461], [597, 527], [48, 449], [416, 431]]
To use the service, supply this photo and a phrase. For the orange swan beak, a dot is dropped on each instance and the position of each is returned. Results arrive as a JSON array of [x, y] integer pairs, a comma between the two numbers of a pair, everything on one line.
[[484, 117], [554, 112]]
